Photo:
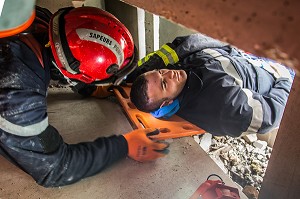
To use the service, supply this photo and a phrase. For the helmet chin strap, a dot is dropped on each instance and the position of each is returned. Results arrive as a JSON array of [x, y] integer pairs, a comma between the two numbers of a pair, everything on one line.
[[72, 83], [129, 68]]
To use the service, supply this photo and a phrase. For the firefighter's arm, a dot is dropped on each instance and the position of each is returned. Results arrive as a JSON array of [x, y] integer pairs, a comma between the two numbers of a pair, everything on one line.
[[71, 163]]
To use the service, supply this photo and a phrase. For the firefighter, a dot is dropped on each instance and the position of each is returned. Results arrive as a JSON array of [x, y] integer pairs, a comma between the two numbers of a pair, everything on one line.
[[213, 85], [89, 48]]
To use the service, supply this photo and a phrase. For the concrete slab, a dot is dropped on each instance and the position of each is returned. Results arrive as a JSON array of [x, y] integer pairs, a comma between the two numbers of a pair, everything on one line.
[[176, 176]]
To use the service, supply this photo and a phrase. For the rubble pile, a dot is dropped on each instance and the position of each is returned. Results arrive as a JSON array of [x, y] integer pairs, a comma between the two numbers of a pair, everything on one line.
[[244, 159]]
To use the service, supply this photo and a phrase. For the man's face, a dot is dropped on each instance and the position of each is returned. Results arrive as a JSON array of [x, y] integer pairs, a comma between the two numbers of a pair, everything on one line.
[[165, 83]]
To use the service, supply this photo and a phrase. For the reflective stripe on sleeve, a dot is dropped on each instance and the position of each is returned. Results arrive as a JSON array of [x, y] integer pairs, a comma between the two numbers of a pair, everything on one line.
[[257, 115], [29, 130], [146, 58], [226, 65], [168, 55]]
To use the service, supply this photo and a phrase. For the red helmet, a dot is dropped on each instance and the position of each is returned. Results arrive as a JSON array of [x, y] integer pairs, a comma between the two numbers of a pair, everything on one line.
[[91, 45]]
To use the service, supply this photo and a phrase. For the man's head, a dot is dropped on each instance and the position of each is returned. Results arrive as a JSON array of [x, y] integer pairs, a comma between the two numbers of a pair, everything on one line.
[[157, 88]]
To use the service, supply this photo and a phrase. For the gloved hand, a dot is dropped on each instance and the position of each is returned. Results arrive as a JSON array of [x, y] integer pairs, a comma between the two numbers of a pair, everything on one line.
[[102, 91], [278, 70], [141, 148]]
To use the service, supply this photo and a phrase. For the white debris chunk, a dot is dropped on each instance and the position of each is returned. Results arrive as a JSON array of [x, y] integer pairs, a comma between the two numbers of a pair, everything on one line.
[[250, 138], [260, 144], [205, 141]]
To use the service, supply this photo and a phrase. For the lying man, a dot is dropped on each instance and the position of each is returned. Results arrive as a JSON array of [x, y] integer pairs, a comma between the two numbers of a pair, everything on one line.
[[213, 85]]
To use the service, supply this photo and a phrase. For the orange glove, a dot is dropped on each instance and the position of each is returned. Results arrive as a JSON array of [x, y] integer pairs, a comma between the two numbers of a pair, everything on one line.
[[102, 92], [141, 148]]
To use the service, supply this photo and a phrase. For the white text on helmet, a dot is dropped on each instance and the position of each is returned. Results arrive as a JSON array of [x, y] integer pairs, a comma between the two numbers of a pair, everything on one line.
[[100, 37], [103, 39]]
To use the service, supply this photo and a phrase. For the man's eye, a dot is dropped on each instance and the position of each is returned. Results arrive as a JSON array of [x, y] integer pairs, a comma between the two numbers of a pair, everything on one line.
[[159, 71], [164, 84]]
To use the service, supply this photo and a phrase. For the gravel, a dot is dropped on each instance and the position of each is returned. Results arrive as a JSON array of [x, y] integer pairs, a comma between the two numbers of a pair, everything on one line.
[[244, 161]]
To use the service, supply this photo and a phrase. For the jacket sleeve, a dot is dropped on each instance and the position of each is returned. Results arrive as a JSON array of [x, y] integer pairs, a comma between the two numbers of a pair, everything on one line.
[[272, 105], [246, 111], [172, 53], [187, 45], [52, 162], [239, 110], [266, 100]]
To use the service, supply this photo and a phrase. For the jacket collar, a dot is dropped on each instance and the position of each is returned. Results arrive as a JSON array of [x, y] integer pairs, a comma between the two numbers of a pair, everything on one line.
[[193, 84]]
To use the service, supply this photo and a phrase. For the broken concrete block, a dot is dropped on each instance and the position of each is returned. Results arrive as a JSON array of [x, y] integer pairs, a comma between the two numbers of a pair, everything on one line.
[[260, 144], [250, 138], [196, 138], [205, 141]]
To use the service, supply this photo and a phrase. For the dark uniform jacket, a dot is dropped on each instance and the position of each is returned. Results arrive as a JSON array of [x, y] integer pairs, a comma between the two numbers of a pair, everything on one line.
[[26, 137], [225, 93]]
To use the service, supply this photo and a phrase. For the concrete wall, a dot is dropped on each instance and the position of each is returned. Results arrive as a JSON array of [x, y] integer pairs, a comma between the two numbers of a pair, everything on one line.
[[169, 30], [128, 16]]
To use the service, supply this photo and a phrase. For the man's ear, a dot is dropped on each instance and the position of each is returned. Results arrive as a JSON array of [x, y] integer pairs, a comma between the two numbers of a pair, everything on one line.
[[166, 103]]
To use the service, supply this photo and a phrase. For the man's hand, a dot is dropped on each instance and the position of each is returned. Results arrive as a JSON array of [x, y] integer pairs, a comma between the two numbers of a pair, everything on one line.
[[278, 70], [141, 148]]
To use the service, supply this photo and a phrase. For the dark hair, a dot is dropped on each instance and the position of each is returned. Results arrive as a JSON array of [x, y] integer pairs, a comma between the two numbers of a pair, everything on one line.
[[139, 96]]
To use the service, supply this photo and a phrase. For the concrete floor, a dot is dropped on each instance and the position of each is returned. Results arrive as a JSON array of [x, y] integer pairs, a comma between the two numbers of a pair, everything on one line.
[[176, 176]]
